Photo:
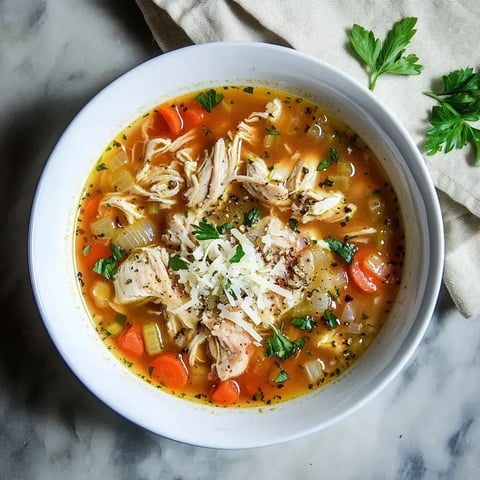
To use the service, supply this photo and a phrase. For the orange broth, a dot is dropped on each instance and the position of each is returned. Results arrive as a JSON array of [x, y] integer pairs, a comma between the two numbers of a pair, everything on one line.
[[344, 163]]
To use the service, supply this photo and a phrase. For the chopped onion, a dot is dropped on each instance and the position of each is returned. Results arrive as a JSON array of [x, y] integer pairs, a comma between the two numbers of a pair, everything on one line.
[[122, 179], [319, 300], [141, 233], [314, 370], [104, 227], [118, 160], [376, 264], [152, 338]]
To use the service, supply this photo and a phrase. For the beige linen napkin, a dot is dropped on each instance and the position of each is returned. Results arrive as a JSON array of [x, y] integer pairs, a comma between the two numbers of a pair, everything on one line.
[[447, 39]]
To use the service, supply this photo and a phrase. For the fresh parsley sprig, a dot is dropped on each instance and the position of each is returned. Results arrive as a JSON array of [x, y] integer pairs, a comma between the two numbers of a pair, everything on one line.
[[386, 57], [279, 345], [451, 121], [209, 99]]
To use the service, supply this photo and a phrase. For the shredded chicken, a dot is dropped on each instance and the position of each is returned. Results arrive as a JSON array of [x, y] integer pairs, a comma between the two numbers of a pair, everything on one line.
[[257, 183], [143, 276], [125, 204]]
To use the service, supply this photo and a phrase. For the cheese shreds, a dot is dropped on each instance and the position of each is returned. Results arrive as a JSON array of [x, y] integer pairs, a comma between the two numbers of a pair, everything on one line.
[[242, 290]]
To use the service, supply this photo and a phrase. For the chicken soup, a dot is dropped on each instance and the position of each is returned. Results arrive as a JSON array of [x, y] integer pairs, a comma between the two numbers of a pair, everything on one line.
[[238, 246]]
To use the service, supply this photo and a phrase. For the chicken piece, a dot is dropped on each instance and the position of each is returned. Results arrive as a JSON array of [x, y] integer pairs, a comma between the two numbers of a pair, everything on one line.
[[143, 276], [214, 175], [230, 347], [257, 183], [328, 206], [124, 204], [178, 232]]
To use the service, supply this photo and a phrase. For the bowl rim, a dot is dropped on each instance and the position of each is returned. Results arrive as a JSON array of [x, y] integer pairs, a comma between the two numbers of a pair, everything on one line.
[[416, 165]]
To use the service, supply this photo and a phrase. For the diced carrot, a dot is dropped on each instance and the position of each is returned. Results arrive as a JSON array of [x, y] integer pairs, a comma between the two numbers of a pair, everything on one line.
[[130, 341], [362, 276], [193, 114], [155, 126], [90, 207], [173, 118], [94, 251], [169, 370], [226, 392]]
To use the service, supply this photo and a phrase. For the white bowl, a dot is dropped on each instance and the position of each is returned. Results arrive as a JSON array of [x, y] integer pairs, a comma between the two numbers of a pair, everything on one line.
[[52, 238]]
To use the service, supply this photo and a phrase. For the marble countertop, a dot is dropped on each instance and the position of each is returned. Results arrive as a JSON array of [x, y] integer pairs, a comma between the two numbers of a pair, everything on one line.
[[54, 56]]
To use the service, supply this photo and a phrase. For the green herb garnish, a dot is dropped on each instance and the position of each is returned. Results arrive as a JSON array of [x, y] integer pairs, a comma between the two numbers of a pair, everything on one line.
[[343, 249], [282, 376], [86, 250], [272, 131], [176, 262], [248, 89], [387, 57], [334, 155], [120, 318], [239, 254], [293, 223], [279, 345], [323, 165], [225, 227], [205, 231], [331, 320], [209, 99], [304, 323], [101, 166], [106, 266], [451, 121], [251, 217]]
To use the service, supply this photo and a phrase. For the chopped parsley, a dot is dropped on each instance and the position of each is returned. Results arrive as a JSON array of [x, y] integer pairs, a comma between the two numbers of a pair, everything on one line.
[[343, 249], [86, 250], [239, 254], [323, 165], [101, 166], [225, 227], [248, 89], [209, 99], [331, 320], [334, 155], [293, 223], [282, 376], [251, 217], [304, 323], [205, 231], [106, 266], [176, 262], [272, 131], [279, 345]]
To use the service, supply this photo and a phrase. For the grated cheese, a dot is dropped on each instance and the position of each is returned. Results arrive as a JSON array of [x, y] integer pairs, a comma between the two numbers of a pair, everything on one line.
[[243, 291]]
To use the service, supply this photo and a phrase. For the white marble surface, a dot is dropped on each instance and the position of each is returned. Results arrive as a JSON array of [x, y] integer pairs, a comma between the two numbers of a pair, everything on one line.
[[54, 56]]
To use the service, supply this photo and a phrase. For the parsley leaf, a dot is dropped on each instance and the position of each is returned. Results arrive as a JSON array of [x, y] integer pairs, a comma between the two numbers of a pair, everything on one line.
[[225, 227], [451, 121], [251, 217], [279, 345], [304, 323], [282, 376], [239, 254], [176, 262], [209, 99], [293, 223], [205, 231], [323, 165], [248, 89], [272, 131], [386, 57], [106, 266], [343, 249], [334, 155], [331, 320]]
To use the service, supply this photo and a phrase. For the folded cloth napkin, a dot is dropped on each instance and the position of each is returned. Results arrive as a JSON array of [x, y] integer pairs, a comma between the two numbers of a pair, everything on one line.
[[446, 40]]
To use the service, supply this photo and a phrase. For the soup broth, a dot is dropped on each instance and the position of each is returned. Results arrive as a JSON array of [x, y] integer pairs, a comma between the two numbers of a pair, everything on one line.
[[238, 246]]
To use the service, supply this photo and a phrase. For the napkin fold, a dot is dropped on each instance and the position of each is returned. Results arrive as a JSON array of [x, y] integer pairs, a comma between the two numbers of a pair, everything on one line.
[[446, 40]]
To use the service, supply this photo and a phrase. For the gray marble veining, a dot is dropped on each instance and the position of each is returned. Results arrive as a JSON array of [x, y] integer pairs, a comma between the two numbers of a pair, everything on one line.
[[54, 56]]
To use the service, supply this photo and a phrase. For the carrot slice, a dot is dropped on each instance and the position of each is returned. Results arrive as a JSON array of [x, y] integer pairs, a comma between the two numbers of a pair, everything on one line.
[[90, 207], [173, 118], [94, 251], [130, 341], [364, 278], [226, 392], [169, 370], [193, 114]]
